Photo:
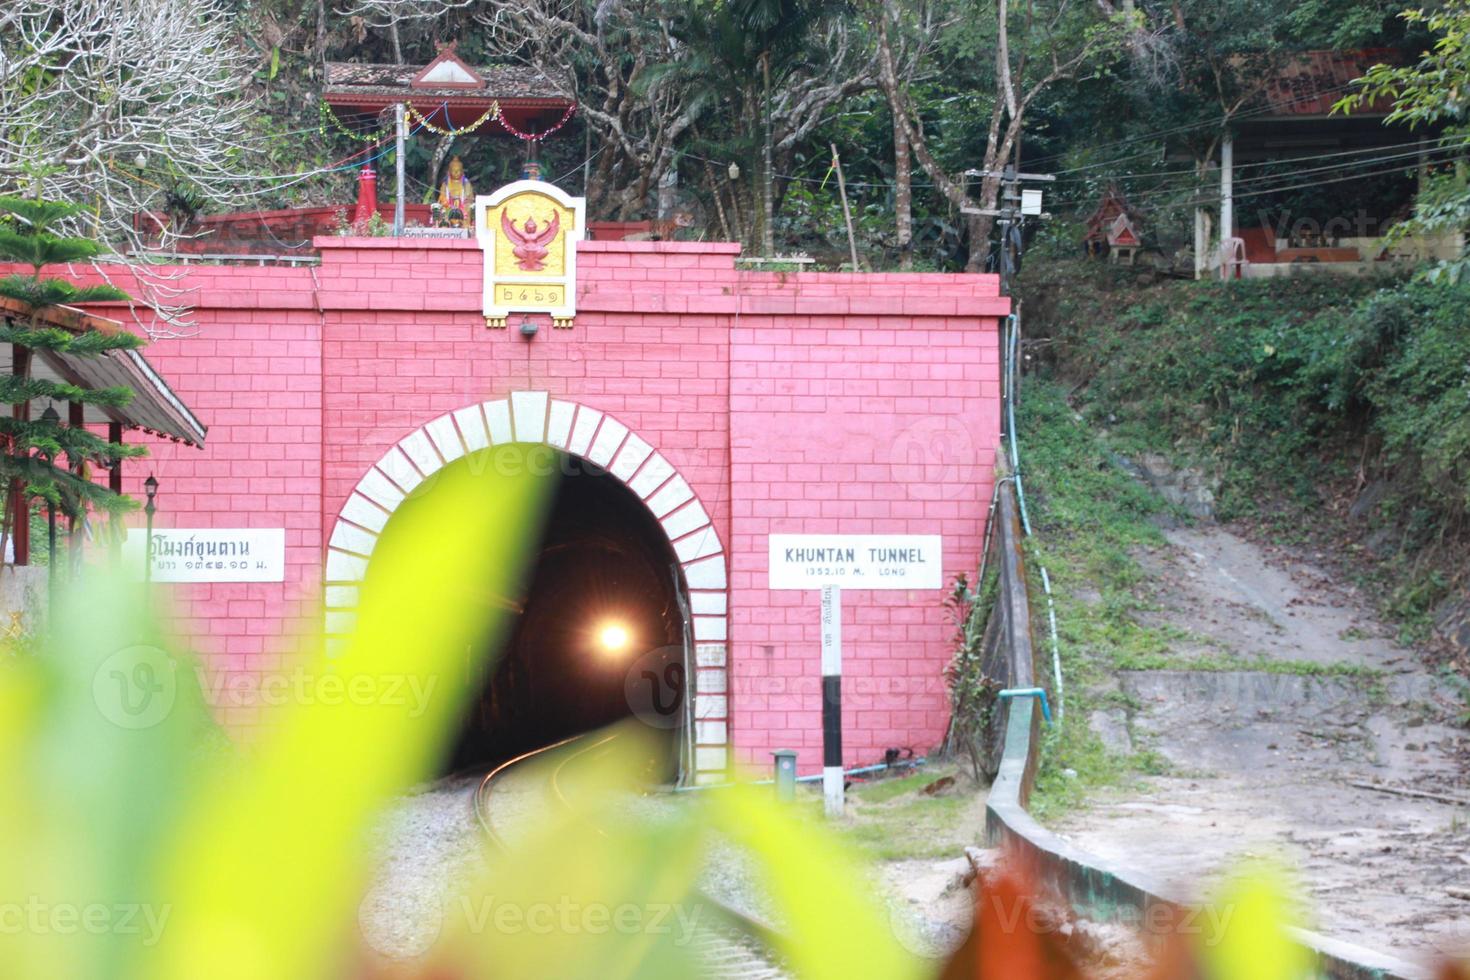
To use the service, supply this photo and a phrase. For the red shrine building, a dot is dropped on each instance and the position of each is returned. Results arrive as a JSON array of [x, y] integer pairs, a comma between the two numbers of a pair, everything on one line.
[[727, 441]]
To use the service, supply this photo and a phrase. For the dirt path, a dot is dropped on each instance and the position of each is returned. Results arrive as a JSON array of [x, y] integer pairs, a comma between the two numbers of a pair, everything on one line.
[[1262, 762]]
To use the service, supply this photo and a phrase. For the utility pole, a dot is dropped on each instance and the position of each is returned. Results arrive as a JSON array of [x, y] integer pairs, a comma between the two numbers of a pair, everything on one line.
[[401, 138], [1016, 204]]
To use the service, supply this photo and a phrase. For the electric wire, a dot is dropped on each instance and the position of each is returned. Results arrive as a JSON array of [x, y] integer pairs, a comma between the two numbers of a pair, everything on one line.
[[1187, 127], [1191, 171], [1184, 193]]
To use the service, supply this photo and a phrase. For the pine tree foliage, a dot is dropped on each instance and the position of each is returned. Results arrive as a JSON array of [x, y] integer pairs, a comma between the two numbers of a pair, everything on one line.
[[49, 459]]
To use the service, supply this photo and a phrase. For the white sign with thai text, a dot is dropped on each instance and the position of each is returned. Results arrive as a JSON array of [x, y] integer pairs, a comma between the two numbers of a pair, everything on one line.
[[855, 561], [247, 554]]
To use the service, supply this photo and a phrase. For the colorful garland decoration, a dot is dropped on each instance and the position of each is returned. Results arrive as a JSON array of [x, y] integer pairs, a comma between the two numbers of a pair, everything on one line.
[[492, 113], [326, 114], [534, 137]]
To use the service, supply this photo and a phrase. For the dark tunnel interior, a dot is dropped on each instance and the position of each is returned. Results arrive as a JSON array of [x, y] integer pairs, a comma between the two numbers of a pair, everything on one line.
[[595, 636]]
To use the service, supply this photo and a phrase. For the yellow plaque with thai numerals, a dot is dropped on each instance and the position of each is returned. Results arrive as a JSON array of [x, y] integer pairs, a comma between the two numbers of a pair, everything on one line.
[[527, 297], [529, 232]]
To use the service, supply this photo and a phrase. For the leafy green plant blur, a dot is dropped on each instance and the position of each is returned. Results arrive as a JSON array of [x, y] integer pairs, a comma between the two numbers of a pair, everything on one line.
[[151, 851], [139, 844]]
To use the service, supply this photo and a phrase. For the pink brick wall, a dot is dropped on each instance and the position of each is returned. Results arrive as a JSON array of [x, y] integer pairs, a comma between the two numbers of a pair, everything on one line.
[[863, 425], [251, 371], [790, 403]]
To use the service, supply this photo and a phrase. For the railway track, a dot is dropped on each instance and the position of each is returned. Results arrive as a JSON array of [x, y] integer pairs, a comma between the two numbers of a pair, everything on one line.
[[736, 948]]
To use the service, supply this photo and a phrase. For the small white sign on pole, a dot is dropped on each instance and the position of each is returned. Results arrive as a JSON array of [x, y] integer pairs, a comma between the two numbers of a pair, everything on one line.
[[855, 561], [831, 563], [831, 630], [249, 554]]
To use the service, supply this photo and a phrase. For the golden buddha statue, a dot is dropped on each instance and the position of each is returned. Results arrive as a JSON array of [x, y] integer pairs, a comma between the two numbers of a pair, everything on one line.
[[456, 196]]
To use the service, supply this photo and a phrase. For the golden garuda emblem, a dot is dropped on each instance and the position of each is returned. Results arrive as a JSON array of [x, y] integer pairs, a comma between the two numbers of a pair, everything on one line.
[[529, 242], [529, 232]]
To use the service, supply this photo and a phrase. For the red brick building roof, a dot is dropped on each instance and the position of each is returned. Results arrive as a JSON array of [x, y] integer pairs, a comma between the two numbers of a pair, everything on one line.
[[1311, 82]]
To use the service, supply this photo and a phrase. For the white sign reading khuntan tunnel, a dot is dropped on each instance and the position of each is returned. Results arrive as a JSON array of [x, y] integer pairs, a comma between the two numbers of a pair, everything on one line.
[[701, 409]]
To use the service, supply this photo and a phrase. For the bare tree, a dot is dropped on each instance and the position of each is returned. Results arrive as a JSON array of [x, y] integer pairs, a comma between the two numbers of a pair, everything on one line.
[[1056, 40], [643, 88], [390, 14], [609, 58], [133, 108], [911, 41], [841, 69]]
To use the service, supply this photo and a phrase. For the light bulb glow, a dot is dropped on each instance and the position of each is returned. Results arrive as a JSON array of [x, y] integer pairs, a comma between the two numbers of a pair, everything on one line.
[[613, 637]]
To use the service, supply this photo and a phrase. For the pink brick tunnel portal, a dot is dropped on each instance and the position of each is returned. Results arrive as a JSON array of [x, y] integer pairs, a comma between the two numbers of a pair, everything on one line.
[[734, 404]]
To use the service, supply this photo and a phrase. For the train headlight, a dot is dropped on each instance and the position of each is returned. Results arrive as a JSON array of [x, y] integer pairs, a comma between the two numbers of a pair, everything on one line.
[[613, 637]]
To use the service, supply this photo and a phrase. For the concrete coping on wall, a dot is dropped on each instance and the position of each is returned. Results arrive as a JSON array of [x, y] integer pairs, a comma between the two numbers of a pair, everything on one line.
[[1096, 888], [471, 245], [675, 248], [387, 242]]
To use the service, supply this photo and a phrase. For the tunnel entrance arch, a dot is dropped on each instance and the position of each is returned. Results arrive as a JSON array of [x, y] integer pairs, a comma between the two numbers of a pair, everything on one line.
[[535, 418]]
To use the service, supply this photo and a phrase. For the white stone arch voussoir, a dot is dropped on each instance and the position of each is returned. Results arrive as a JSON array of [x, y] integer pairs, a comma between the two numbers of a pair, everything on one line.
[[535, 417]]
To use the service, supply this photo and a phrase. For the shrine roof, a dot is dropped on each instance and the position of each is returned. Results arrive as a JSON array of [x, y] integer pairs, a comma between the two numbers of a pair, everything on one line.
[[352, 80]]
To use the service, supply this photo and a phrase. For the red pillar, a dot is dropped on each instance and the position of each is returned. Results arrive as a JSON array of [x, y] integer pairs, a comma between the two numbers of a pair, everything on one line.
[[367, 196]]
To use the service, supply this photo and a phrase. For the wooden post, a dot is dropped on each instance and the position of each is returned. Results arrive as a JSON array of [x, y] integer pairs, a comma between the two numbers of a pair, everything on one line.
[[114, 483], [846, 212], [114, 474], [77, 419], [20, 367]]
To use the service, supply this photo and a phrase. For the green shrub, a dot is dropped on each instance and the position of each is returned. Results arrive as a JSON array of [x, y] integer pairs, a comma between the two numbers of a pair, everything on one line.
[[1286, 390]]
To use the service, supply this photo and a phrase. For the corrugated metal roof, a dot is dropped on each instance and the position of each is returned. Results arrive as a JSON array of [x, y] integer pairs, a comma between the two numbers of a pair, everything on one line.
[[155, 408]]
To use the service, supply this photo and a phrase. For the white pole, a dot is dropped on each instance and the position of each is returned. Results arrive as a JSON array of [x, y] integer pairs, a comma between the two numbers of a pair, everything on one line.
[[1201, 243], [402, 136], [832, 699], [1227, 192]]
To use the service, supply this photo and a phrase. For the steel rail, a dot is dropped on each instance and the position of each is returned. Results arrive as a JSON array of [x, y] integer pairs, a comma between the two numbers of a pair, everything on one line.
[[481, 798], [730, 958]]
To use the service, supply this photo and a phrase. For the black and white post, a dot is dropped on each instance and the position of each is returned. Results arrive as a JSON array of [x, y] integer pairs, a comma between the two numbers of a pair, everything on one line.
[[855, 562], [832, 699]]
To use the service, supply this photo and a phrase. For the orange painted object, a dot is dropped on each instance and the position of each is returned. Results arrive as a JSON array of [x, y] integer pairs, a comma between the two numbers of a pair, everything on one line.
[[367, 196]]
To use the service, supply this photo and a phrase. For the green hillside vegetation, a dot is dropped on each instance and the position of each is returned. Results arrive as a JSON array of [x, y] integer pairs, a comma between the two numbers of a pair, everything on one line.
[[1332, 411]]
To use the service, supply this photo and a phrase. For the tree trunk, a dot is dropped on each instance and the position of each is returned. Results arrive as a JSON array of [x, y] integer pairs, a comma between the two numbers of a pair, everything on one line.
[[736, 214], [768, 177], [436, 165], [321, 38], [719, 199], [753, 182], [903, 195]]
